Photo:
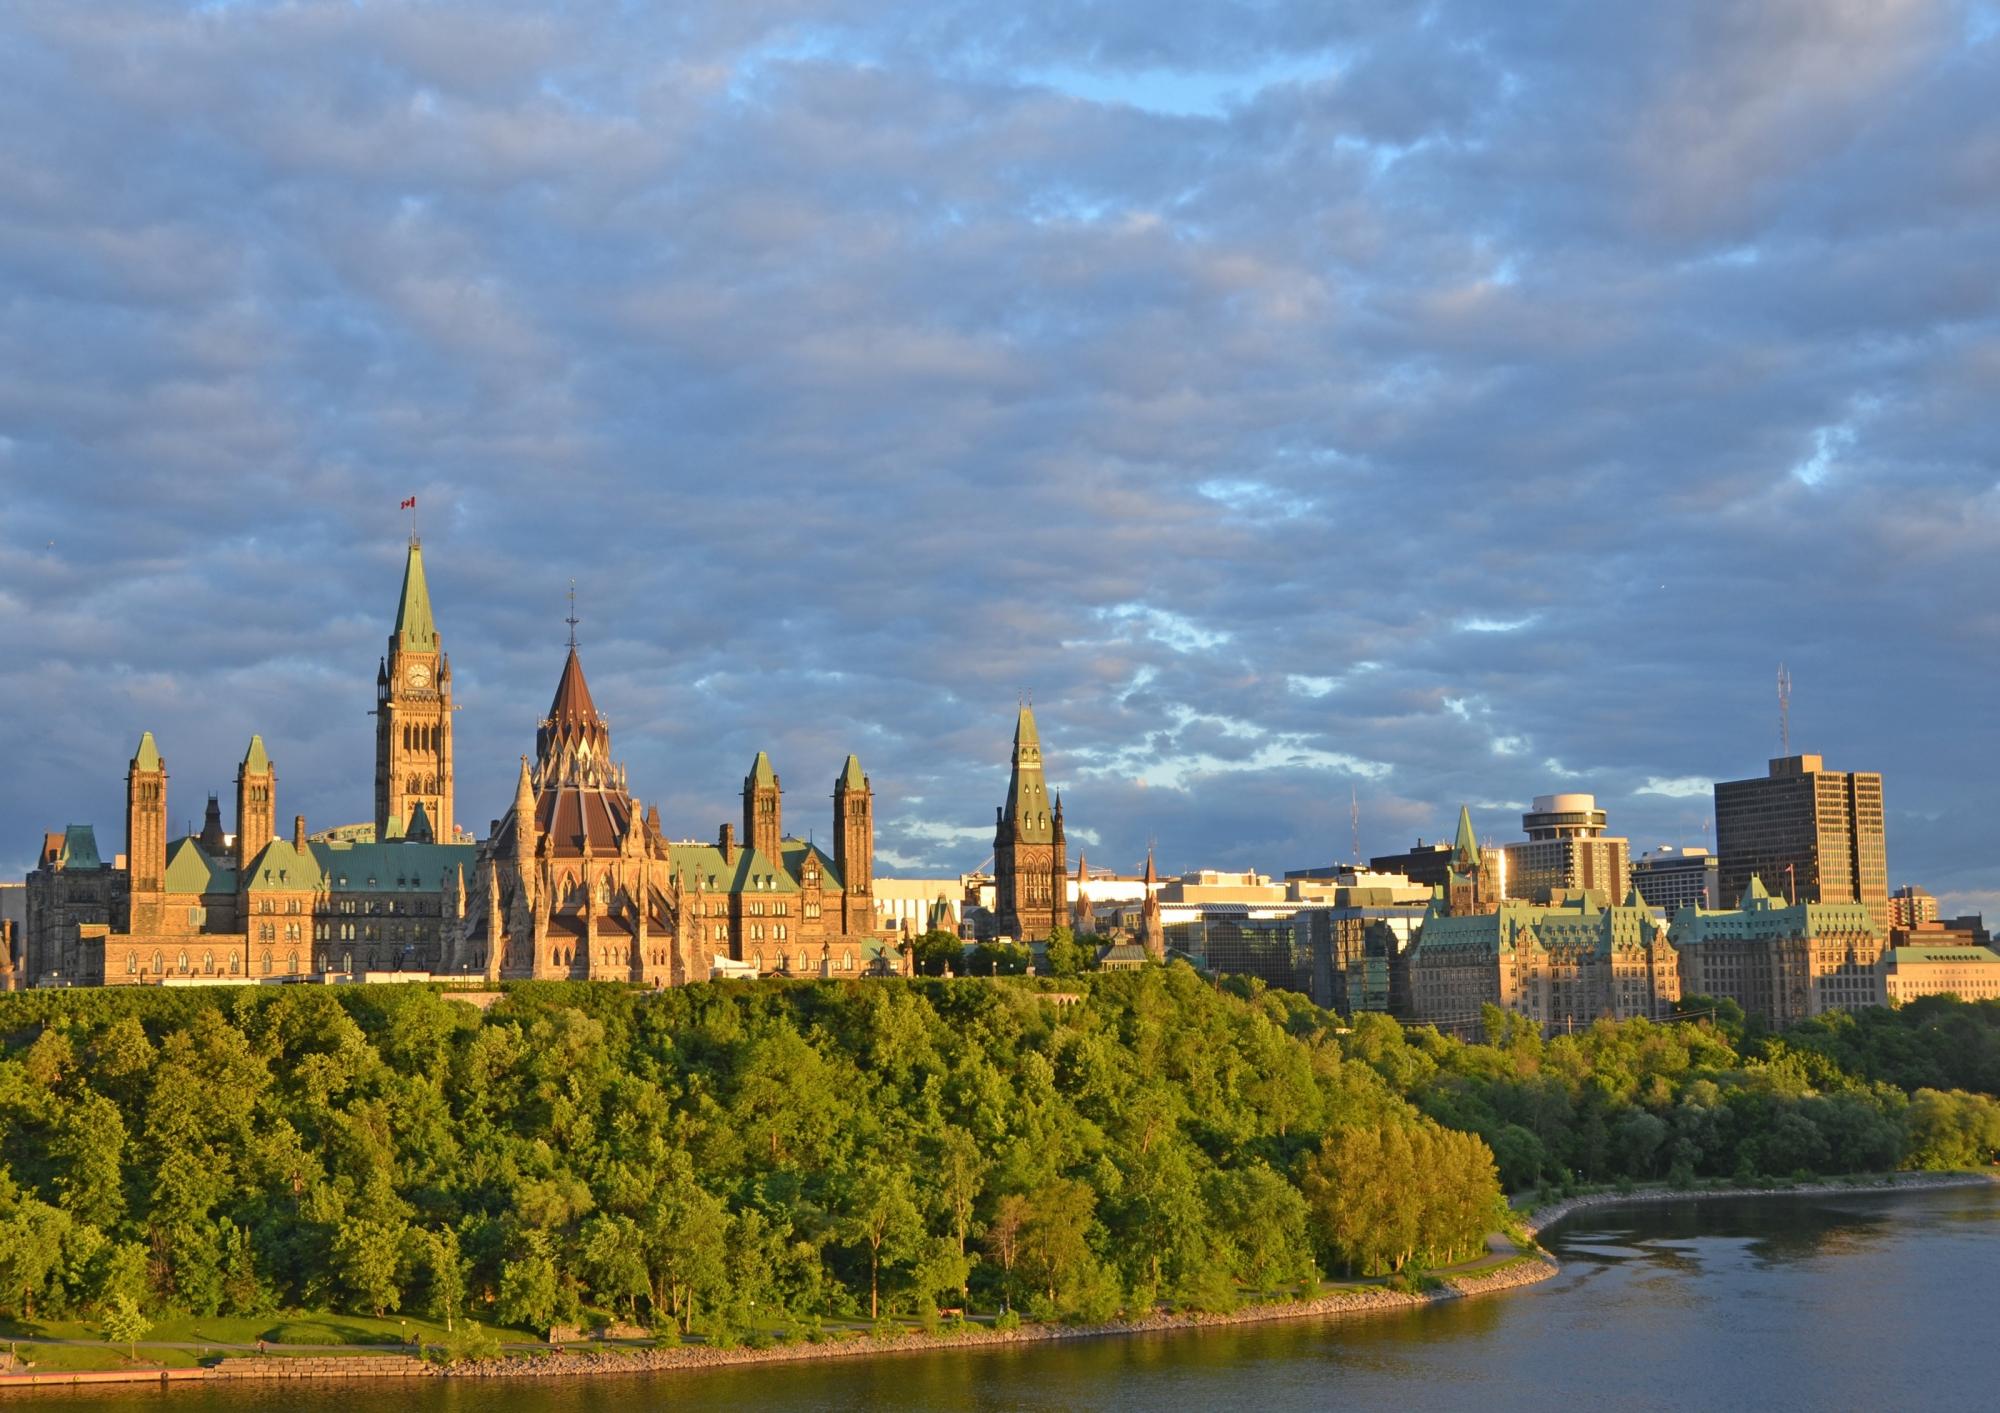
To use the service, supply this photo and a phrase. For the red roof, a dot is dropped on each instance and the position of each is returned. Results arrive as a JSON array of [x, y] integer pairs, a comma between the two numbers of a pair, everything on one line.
[[572, 705]]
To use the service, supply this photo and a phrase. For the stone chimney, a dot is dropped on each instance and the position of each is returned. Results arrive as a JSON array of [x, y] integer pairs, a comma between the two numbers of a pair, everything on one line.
[[726, 842], [299, 832]]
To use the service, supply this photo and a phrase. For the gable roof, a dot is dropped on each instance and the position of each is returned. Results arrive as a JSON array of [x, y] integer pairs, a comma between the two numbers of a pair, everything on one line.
[[796, 851], [392, 867], [190, 869]]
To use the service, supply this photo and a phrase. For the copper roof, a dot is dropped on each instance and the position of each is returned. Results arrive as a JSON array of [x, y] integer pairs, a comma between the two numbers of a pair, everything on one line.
[[572, 814], [572, 705]]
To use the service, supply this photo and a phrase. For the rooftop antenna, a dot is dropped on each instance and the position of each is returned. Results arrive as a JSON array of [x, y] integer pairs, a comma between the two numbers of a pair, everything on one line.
[[571, 620], [1784, 711], [1354, 818]]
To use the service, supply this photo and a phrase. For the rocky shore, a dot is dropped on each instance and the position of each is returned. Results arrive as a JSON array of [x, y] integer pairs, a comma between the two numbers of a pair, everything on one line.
[[1541, 1219]]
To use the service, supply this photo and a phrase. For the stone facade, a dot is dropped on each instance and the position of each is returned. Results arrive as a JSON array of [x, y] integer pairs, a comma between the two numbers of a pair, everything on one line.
[[1562, 965], [413, 717], [1782, 962], [578, 882]]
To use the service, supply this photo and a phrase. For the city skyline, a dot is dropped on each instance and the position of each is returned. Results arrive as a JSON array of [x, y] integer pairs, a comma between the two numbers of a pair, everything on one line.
[[1419, 406]]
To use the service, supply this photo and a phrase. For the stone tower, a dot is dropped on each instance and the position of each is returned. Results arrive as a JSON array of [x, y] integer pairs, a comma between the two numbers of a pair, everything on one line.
[[854, 848], [1152, 930], [413, 756], [256, 803], [763, 810], [1474, 885], [146, 833], [1028, 846]]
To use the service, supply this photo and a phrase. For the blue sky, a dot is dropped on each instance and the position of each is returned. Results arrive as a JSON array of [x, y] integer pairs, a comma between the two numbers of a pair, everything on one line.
[[1411, 403]]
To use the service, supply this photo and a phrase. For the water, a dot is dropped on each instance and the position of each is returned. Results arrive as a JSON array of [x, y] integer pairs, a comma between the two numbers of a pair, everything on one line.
[[1864, 1302]]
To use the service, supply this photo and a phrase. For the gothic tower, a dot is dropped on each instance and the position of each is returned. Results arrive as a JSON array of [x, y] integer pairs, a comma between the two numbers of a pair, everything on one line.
[[1028, 846], [256, 803], [763, 810], [854, 848], [146, 833], [413, 759]]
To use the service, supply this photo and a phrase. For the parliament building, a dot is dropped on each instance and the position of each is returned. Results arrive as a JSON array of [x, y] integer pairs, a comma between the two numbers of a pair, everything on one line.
[[575, 882]]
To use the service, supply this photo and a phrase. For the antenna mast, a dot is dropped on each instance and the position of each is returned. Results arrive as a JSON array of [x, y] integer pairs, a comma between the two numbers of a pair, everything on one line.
[[1784, 711], [1354, 818]]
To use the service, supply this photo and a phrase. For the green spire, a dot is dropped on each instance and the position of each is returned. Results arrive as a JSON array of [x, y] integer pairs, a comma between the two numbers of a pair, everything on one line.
[[761, 772], [851, 775], [255, 762], [415, 629], [1027, 793], [148, 757], [1466, 847]]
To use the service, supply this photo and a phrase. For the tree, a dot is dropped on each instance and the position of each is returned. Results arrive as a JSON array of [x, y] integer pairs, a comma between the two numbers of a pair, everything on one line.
[[445, 1296], [125, 1323], [1003, 1239], [367, 1256], [1064, 955], [530, 1294], [881, 1218]]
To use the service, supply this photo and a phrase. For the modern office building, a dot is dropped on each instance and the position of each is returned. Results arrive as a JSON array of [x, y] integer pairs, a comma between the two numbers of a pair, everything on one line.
[[1673, 878], [1567, 852], [1969, 973], [1911, 906], [1813, 835]]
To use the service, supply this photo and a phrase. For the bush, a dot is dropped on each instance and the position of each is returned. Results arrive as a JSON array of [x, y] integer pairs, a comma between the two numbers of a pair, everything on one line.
[[1007, 1320]]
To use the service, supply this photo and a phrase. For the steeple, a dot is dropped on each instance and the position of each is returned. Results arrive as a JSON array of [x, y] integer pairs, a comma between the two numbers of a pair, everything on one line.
[[256, 803], [854, 847], [573, 745], [1152, 930], [146, 818], [1465, 849], [1027, 807], [416, 631]]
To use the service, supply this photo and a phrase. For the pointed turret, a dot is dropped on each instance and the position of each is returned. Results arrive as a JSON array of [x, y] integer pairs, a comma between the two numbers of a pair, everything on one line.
[[146, 820], [213, 840], [416, 631], [854, 848], [256, 803], [418, 830], [1152, 930], [763, 809], [572, 705], [147, 757], [851, 776], [1465, 849], [573, 745]]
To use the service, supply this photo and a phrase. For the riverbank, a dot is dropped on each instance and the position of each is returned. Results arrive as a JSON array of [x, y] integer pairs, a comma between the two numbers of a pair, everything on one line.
[[1537, 1220], [1488, 1278]]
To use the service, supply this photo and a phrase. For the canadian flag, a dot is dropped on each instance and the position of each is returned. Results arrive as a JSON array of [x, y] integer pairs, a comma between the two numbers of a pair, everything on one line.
[[410, 504]]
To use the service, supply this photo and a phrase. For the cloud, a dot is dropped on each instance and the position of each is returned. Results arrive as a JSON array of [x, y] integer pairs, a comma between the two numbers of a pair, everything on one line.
[[1300, 400]]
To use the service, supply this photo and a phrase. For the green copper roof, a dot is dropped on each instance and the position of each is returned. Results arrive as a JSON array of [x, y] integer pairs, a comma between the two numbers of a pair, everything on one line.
[[255, 762], [148, 755], [414, 628], [79, 848], [797, 851], [1467, 843], [1024, 728], [189, 870], [1977, 956], [281, 868], [761, 772], [1027, 808], [753, 872], [851, 775], [397, 866]]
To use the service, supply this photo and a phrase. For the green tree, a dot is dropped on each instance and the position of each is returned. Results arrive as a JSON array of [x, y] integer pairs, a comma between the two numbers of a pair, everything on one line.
[[125, 1323]]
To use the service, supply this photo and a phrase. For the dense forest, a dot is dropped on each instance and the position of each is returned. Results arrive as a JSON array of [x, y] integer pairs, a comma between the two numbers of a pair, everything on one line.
[[723, 1156]]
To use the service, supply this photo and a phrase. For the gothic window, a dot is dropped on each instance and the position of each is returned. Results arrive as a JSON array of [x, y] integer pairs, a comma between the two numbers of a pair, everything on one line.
[[235, 964], [430, 784], [159, 964], [131, 963], [803, 961], [292, 964], [208, 963], [780, 933], [415, 784], [757, 960], [267, 961], [184, 964]]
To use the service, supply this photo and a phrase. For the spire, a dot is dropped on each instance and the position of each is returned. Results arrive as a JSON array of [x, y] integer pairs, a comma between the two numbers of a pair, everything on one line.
[[255, 761], [524, 793], [851, 775], [419, 831], [213, 840], [1465, 849], [572, 705], [1152, 878], [147, 757], [1027, 807], [415, 629], [761, 772]]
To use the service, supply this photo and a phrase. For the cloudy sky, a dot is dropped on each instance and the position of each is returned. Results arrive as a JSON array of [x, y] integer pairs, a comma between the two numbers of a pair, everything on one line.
[[1417, 403]]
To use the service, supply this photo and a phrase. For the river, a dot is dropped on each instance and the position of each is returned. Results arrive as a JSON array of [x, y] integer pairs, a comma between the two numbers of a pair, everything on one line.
[[1854, 1302]]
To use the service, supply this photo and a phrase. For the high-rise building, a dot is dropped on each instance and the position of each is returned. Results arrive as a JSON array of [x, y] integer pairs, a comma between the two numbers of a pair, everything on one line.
[[1813, 834], [1567, 852], [1912, 906], [1673, 878], [1030, 877]]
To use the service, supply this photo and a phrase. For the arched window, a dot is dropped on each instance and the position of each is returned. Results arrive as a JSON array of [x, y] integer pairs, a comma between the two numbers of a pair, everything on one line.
[[184, 963], [235, 964], [292, 964], [131, 964], [208, 963], [415, 784], [267, 961], [159, 964]]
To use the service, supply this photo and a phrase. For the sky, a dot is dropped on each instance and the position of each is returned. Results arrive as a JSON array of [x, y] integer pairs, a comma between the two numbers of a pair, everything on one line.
[[1313, 406]]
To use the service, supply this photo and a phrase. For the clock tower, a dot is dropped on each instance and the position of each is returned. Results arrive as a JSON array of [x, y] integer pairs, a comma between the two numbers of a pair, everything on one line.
[[413, 716]]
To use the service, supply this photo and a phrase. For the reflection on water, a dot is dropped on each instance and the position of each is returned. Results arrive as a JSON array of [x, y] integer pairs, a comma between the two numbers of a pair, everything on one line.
[[1850, 1302]]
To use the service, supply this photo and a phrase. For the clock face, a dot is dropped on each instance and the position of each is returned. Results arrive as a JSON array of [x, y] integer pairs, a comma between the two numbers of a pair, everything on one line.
[[420, 676]]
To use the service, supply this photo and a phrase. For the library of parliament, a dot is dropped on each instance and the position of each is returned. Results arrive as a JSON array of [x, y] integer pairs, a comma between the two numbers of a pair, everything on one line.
[[575, 882]]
